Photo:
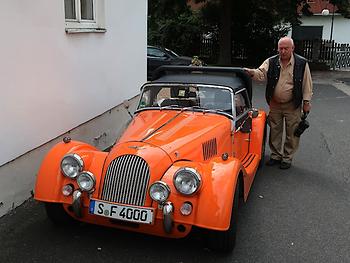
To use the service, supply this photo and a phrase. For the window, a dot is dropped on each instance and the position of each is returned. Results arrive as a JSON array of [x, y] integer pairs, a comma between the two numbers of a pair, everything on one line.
[[307, 32], [154, 52], [84, 16], [240, 104]]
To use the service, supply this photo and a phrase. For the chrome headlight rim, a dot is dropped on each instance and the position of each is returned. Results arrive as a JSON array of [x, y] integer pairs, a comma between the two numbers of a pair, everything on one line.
[[196, 177], [91, 176], [78, 159], [165, 187]]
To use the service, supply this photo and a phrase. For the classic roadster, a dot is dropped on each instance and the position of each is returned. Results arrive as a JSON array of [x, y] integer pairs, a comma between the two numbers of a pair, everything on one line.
[[187, 159]]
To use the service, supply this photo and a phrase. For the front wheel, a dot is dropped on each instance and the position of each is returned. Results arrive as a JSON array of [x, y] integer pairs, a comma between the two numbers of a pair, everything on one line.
[[225, 241], [56, 213]]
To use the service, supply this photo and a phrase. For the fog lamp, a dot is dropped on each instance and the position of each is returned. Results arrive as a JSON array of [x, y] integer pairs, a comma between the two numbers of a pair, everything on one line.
[[186, 209], [67, 190]]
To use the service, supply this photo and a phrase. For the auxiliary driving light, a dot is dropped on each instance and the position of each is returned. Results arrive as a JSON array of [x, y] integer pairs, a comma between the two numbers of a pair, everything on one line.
[[86, 181], [159, 191]]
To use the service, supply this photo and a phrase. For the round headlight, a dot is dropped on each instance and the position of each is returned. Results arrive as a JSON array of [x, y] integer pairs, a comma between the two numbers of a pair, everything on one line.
[[72, 165], [187, 180], [86, 181], [159, 191]]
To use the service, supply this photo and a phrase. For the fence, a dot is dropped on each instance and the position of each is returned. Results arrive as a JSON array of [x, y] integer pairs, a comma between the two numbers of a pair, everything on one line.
[[209, 49], [325, 51]]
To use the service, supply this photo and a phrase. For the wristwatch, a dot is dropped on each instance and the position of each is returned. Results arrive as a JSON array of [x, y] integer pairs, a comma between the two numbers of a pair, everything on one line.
[[306, 102]]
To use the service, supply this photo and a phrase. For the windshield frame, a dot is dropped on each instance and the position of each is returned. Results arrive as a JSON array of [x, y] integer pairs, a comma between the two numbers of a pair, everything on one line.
[[193, 108]]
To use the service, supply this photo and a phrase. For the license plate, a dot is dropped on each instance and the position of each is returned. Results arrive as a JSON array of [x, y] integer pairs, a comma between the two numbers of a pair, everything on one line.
[[122, 212]]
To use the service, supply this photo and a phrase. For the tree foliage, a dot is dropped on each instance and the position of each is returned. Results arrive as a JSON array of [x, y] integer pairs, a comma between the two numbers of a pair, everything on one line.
[[343, 7], [172, 24], [251, 25], [257, 25]]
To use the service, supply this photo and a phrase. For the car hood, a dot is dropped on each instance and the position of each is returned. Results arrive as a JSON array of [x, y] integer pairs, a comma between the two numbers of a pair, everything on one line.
[[183, 59], [182, 135]]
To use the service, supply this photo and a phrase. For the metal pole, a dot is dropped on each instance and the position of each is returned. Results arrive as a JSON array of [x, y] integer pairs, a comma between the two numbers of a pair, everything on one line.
[[331, 38]]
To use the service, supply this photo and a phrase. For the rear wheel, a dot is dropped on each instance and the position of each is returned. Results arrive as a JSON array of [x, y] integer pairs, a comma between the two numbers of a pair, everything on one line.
[[56, 213], [225, 241]]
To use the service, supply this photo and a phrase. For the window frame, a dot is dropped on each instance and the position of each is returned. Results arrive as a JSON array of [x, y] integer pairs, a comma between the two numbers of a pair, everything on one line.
[[243, 122], [79, 25]]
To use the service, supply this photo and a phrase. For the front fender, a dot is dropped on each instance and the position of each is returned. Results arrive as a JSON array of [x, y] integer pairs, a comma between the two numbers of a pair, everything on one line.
[[213, 203], [216, 196], [49, 182]]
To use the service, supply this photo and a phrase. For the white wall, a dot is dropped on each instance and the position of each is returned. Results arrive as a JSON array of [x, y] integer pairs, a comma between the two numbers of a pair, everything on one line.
[[54, 84], [341, 26], [17, 178], [51, 82]]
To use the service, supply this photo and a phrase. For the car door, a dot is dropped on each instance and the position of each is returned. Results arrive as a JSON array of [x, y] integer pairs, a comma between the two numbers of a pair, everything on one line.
[[243, 125]]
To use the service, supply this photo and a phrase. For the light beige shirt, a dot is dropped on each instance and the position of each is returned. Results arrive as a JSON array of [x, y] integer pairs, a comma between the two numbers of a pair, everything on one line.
[[284, 87]]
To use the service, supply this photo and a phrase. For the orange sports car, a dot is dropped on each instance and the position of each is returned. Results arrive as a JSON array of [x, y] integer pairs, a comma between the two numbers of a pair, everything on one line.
[[187, 159]]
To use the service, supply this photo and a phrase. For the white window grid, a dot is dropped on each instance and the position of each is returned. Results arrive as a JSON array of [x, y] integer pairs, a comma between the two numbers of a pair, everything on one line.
[[85, 25]]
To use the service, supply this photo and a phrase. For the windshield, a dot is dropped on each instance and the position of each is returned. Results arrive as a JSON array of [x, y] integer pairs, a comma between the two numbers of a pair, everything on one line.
[[182, 96], [171, 52]]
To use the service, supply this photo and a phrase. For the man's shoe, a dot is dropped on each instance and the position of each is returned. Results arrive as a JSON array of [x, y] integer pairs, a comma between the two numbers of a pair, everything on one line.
[[285, 165], [272, 162]]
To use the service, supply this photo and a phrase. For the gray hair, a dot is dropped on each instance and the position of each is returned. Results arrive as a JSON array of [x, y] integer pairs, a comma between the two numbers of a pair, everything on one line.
[[286, 38]]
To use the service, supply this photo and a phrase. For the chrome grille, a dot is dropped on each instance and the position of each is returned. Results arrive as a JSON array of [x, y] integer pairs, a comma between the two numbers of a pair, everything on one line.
[[126, 180], [209, 149]]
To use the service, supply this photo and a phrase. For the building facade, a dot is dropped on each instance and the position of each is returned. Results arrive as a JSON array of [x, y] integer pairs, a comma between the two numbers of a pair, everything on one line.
[[67, 66], [325, 23]]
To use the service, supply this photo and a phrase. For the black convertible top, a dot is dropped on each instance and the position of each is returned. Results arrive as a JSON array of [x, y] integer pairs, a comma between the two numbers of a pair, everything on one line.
[[234, 78]]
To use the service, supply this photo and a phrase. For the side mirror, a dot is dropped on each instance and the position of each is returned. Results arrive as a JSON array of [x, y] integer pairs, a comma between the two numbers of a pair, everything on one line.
[[253, 113]]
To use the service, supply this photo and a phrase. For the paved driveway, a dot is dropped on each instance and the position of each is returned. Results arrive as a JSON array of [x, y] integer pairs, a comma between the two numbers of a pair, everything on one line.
[[297, 215]]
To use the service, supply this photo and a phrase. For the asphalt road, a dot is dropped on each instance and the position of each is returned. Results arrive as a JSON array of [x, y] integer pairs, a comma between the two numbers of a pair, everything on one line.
[[296, 215]]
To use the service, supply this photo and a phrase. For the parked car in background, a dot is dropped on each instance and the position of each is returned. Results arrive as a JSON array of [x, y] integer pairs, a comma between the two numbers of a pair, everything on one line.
[[158, 56], [187, 160]]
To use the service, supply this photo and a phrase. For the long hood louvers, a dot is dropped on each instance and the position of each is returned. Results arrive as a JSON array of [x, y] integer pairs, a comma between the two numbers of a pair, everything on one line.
[[210, 149]]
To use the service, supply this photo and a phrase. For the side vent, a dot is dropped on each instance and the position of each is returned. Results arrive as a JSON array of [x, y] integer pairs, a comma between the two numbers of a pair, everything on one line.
[[210, 149]]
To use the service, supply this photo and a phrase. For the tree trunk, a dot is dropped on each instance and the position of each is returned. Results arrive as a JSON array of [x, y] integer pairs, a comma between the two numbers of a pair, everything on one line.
[[225, 33]]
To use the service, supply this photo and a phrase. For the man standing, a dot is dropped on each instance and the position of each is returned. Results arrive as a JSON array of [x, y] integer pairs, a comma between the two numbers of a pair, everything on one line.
[[288, 93]]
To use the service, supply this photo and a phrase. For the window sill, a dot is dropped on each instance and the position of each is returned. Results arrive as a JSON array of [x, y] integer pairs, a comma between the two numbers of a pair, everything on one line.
[[85, 30]]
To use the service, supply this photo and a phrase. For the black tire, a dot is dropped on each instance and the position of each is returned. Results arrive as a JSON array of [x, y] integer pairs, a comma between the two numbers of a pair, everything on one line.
[[56, 213], [263, 147], [225, 241]]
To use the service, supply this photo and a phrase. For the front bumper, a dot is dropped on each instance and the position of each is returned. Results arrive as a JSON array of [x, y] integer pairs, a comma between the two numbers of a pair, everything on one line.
[[161, 227]]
